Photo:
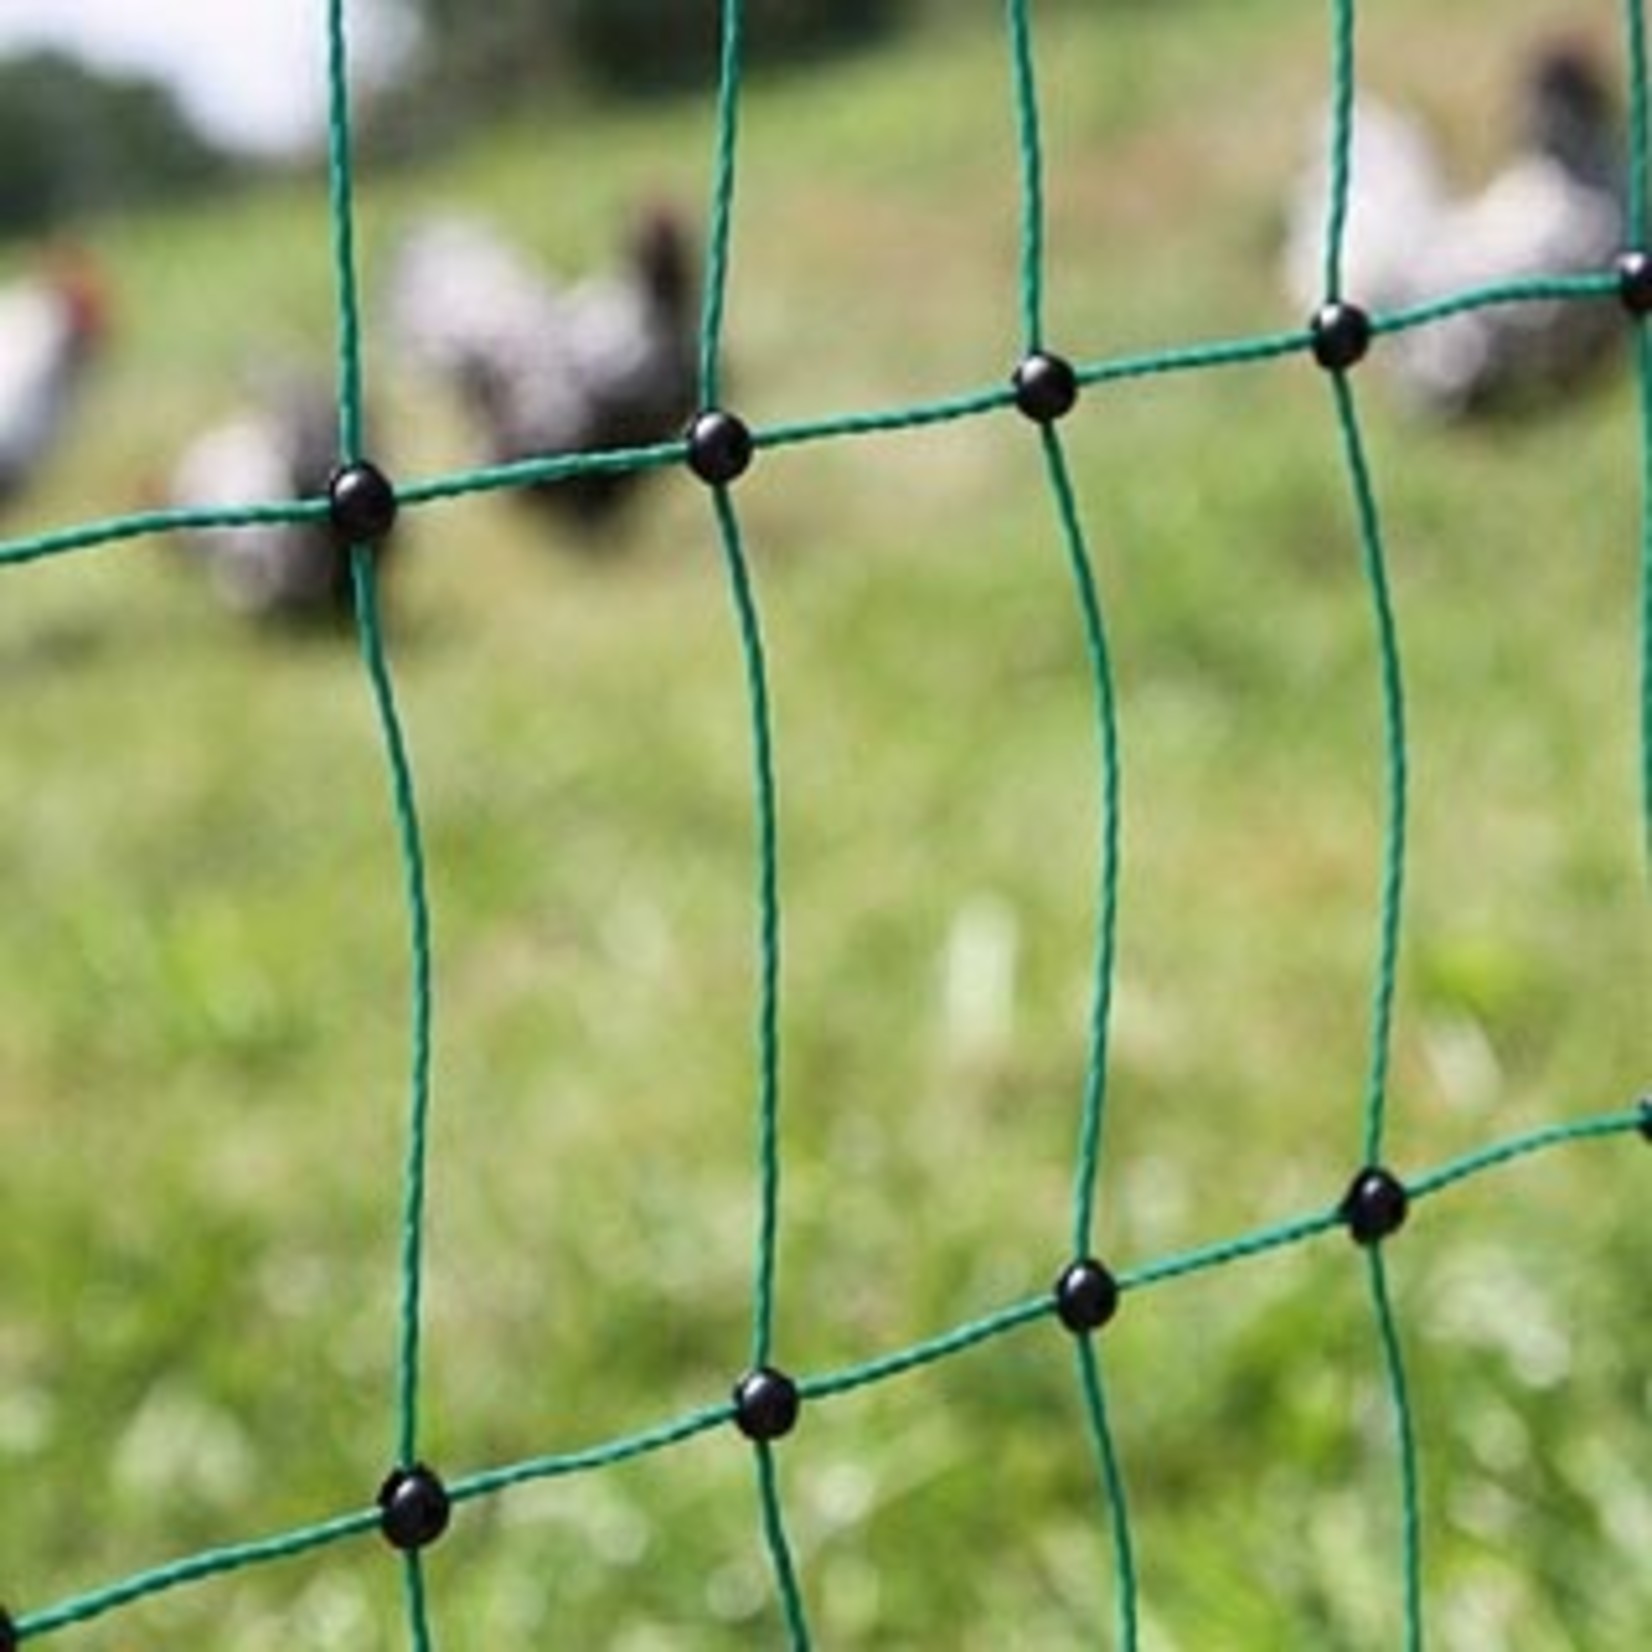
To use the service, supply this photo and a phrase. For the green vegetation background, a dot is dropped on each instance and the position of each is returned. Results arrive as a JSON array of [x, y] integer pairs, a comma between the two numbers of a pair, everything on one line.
[[203, 974]]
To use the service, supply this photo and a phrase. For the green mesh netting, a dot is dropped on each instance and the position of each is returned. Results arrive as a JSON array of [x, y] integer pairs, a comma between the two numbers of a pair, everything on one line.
[[764, 1404]]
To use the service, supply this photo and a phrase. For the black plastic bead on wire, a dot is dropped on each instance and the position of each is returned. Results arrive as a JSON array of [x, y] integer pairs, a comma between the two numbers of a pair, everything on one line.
[[1046, 387], [766, 1404], [1341, 335], [362, 503], [719, 447], [1086, 1296], [413, 1508], [1375, 1205], [1635, 281], [1646, 1118]]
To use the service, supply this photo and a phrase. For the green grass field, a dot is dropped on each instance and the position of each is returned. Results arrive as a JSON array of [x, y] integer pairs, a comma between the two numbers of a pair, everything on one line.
[[204, 979]]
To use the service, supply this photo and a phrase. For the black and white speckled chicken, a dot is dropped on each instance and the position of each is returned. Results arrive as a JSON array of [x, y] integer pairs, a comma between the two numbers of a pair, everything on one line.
[[51, 326], [542, 369], [280, 446], [1555, 209]]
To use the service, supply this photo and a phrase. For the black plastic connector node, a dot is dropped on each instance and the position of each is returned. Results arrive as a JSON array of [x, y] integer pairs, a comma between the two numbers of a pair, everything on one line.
[[719, 447], [766, 1404], [1375, 1205], [1046, 387], [1086, 1296], [362, 503], [1341, 336], [413, 1508], [1635, 281]]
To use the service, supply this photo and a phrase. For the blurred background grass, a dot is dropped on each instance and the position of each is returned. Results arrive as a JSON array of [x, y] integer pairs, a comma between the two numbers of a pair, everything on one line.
[[204, 977]]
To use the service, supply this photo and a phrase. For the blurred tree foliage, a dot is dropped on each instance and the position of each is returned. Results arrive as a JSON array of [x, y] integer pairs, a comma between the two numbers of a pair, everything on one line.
[[74, 141], [642, 45], [476, 55]]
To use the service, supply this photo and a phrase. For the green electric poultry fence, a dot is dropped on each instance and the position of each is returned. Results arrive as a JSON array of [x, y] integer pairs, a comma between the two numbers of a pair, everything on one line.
[[417, 1500]]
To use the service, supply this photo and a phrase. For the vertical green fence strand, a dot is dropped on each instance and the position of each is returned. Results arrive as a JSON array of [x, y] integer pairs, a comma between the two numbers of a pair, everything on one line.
[[1126, 1587], [1092, 1113], [403, 798], [780, 1550], [341, 192], [1341, 140], [765, 792], [418, 909], [722, 204], [1640, 141], [768, 1035], [1396, 765], [418, 1605], [1643, 371], [1405, 1444], [1032, 175]]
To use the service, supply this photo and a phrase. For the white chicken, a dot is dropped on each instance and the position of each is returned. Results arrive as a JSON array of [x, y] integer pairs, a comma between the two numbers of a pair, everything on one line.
[[541, 369], [51, 325], [1556, 209], [281, 446]]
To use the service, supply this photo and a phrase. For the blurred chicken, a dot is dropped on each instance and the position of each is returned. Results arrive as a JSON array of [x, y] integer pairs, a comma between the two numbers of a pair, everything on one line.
[[542, 369], [281, 446], [1556, 209], [51, 325]]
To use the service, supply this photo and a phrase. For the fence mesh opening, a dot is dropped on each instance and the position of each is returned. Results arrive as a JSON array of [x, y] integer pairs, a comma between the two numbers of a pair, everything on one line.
[[1075, 1287]]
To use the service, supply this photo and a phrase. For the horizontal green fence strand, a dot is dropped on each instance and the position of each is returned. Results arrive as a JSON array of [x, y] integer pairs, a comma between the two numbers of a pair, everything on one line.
[[1035, 1311], [1633, 1121], [199, 1568]]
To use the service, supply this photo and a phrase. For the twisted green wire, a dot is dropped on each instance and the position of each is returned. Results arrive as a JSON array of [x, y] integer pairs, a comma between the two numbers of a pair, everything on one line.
[[1093, 1105], [949, 1345], [1032, 174], [1405, 1445], [461, 484], [722, 201], [957, 1341], [1391, 897], [1128, 1591], [1640, 119], [1640, 153], [1093, 1109], [1343, 81], [769, 918], [780, 1552], [341, 200], [410, 838], [749, 624]]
